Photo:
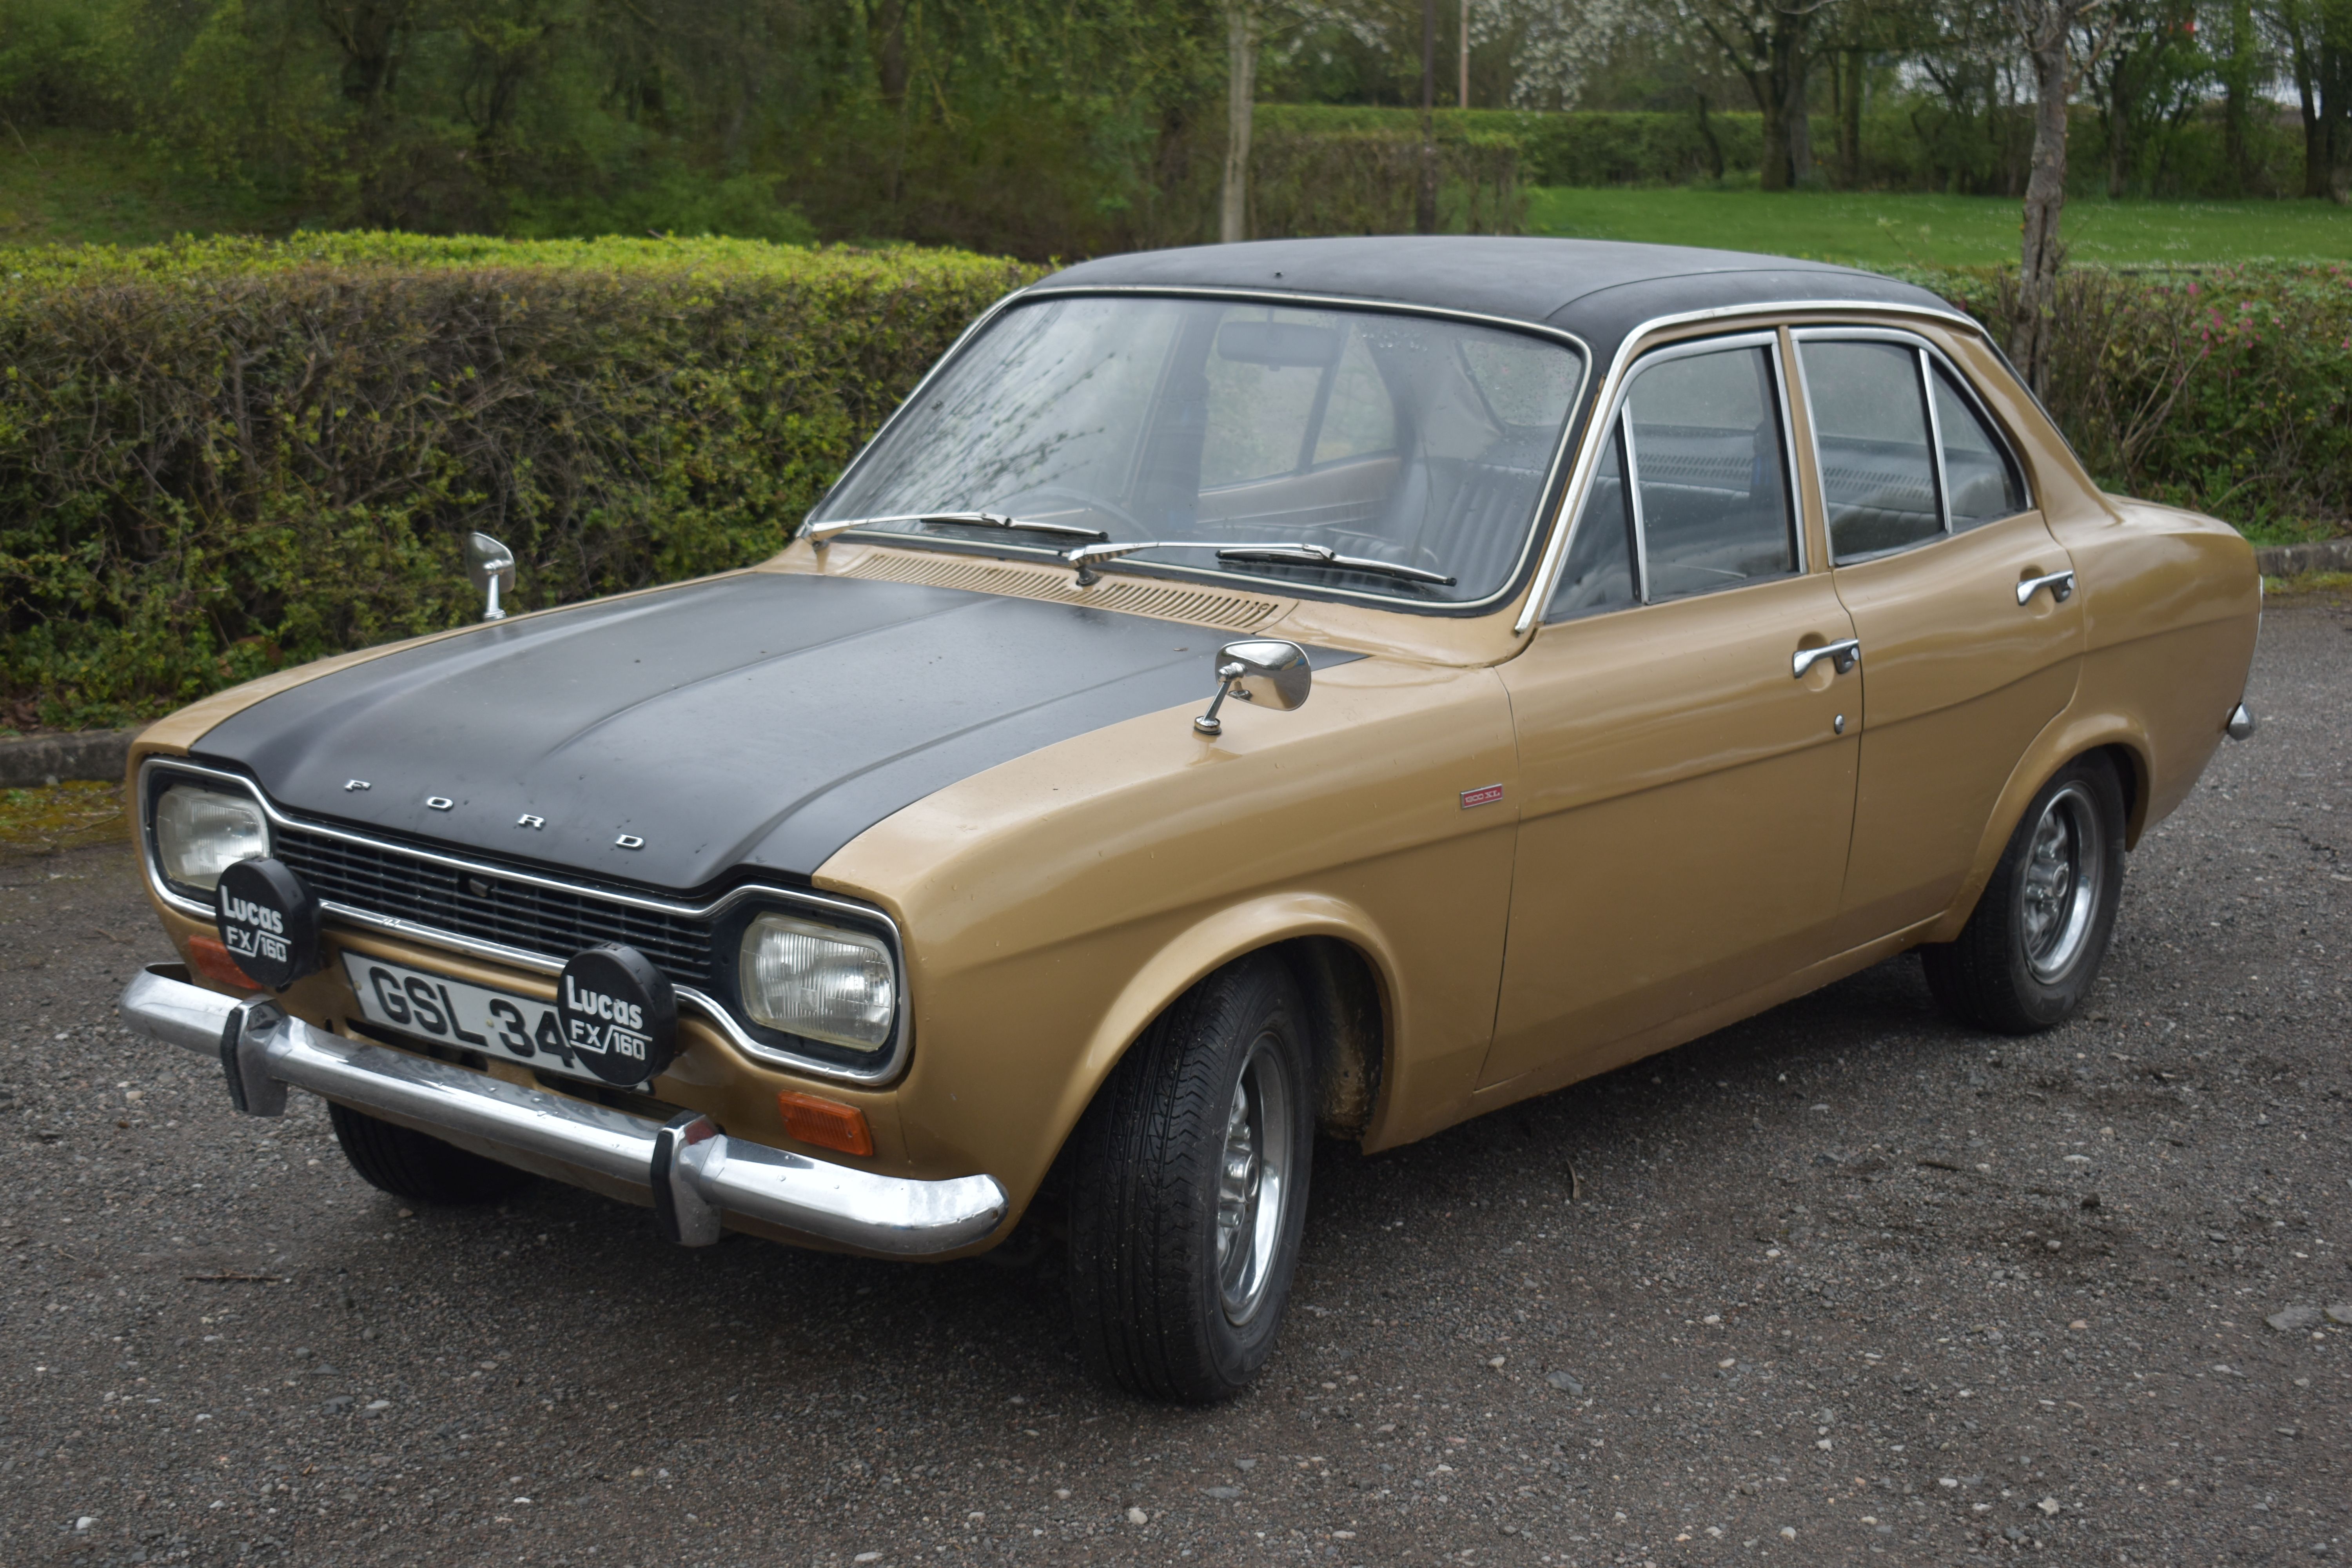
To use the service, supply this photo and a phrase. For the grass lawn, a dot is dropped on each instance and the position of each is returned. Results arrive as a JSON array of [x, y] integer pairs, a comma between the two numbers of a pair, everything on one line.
[[1881, 230], [75, 187]]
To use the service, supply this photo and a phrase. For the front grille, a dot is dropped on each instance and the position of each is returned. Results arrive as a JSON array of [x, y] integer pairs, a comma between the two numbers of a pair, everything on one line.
[[490, 908]]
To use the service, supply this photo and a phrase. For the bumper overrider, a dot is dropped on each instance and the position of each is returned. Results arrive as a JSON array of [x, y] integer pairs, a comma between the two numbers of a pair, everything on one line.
[[696, 1175]]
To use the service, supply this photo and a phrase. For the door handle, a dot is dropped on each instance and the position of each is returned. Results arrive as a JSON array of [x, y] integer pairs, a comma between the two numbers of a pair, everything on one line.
[[1844, 655], [2060, 583]]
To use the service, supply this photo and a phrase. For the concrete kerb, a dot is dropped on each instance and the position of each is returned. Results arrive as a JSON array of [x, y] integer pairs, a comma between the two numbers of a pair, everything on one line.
[[2297, 560], [26, 760]]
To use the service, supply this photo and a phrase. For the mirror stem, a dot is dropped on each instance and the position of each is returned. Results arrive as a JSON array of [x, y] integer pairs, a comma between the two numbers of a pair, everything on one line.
[[1209, 723], [492, 611]]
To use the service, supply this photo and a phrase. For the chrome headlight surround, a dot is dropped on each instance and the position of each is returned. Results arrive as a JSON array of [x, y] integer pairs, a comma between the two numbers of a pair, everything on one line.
[[729, 913], [194, 825], [814, 954]]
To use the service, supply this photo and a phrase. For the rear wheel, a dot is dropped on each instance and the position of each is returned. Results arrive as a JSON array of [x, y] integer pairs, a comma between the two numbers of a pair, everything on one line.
[[2028, 956], [424, 1170], [1190, 1190]]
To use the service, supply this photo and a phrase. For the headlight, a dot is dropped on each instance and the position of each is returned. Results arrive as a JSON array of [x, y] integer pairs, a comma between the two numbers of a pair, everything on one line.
[[818, 982], [200, 833]]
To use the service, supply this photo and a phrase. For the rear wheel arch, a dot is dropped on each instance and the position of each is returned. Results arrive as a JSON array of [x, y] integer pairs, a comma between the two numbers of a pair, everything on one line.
[[2111, 736], [2132, 774]]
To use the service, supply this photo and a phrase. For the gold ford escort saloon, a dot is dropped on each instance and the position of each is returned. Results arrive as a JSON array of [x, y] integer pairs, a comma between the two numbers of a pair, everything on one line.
[[1245, 695]]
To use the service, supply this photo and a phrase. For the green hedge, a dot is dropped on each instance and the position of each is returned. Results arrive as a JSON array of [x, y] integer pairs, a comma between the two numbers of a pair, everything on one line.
[[2227, 390], [1341, 178], [1906, 145], [220, 458]]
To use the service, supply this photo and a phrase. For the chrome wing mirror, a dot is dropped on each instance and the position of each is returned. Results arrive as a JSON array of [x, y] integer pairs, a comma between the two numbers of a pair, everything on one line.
[[1264, 671], [491, 566]]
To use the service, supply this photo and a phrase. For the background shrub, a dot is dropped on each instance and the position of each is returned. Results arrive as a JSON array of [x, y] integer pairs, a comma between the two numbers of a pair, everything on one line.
[[1321, 172], [218, 458], [2227, 389]]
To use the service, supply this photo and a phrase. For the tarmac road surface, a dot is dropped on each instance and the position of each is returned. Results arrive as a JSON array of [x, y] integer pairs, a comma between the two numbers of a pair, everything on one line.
[[1844, 1283]]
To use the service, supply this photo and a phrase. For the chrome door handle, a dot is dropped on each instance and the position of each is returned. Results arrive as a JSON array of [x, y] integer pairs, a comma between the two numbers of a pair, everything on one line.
[[2060, 583], [1844, 655]]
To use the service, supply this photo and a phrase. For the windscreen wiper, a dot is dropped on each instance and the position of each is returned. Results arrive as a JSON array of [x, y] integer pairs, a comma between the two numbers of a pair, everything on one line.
[[823, 532], [1280, 553]]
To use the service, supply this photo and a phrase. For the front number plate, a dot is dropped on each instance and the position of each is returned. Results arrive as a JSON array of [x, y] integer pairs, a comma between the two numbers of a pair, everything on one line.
[[452, 1012]]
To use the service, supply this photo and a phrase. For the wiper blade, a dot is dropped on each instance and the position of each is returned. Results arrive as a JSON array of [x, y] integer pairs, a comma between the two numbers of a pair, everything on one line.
[[1282, 553], [819, 532], [1318, 555]]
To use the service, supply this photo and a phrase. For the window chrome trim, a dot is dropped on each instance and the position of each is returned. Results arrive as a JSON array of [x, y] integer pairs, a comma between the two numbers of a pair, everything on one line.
[[1547, 506], [1587, 451], [1926, 369], [1622, 427], [1927, 358], [713, 1010], [1620, 423]]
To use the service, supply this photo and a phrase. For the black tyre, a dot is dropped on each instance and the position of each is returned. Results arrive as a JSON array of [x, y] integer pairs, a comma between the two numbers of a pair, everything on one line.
[[1189, 1190], [411, 1165], [2028, 956]]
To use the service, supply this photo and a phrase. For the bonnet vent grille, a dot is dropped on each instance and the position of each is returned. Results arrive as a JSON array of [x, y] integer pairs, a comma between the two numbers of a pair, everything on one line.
[[1207, 607]]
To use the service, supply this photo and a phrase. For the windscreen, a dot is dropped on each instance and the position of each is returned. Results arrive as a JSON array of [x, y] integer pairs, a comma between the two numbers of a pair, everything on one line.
[[1389, 440]]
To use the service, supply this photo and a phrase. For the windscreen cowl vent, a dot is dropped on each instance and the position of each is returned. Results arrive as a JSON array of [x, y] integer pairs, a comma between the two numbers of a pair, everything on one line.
[[1163, 601]]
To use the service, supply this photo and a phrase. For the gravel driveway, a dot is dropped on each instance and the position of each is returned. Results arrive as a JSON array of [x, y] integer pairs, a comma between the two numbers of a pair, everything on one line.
[[1841, 1282]]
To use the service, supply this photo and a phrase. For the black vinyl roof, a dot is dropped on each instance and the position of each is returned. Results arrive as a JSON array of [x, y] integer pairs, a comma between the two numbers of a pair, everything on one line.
[[1599, 290]]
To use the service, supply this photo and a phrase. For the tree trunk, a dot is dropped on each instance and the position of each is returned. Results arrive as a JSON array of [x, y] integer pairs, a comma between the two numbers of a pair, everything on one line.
[[2316, 170], [1464, 100], [1849, 81], [2045, 203], [1799, 114], [1241, 19], [1714, 147], [2237, 83], [889, 43], [2118, 125], [1425, 207]]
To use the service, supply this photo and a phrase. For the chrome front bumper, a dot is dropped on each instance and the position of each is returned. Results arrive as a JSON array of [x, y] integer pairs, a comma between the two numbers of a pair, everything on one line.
[[695, 1174]]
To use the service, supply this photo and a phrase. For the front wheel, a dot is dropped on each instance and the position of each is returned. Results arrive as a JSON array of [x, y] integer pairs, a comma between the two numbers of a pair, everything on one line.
[[2028, 956], [424, 1170], [1191, 1189]]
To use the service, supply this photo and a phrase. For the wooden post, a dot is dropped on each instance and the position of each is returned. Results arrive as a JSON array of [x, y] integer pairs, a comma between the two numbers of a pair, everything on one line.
[[1464, 100], [1425, 209]]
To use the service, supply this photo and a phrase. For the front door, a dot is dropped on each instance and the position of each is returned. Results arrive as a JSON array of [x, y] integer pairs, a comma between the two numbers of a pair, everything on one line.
[[1687, 752], [1964, 603]]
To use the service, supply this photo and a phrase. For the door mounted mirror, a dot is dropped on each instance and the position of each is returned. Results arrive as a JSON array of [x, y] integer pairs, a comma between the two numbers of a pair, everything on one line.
[[1266, 671], [491, 566]]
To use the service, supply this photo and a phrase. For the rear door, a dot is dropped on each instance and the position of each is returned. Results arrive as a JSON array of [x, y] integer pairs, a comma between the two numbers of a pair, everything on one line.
[[1963, 601]]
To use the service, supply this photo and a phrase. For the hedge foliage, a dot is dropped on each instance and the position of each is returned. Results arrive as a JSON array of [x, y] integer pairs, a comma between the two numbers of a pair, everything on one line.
[[220, 458], [1319, 172], [2227, 390], [1903, 146]]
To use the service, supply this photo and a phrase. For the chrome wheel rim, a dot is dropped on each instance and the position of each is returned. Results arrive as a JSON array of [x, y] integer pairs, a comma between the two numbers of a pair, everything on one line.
[[2059, 897], [1253, 1183]]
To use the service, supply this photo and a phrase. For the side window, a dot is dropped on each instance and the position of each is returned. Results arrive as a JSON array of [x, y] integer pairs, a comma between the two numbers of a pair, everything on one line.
[[1983, 485], [1599, 573], [1706, 454], [1878, 465]]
